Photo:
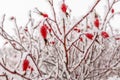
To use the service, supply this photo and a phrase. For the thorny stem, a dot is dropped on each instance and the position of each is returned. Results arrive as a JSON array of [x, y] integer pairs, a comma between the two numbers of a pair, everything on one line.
[[54, 32], [75, 46], [18, 30], [35, 64], [4, 75], [83, 18], [104, 21], [105, 70], [14, 72], [54, 13], [5, 35], [85, 54], [64, 43], [64, 26], [74, 68], [108, 21], [3, 20], [65, 46]]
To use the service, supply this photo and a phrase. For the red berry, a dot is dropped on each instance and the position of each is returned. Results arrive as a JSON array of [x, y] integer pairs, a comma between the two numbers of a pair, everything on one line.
[[117, 38], [43, 31], [81, 39], [32, 69], [45, 15], [96, 23], [78, 30], [25, 64], [50, 30], [88, 27], [26, 30], [75, 29], [104, 34], [52, 42], [112, 11], [29, 67], [89, 35], [63, 7]]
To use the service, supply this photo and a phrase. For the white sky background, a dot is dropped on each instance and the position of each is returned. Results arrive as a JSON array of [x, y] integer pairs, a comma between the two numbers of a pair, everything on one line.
[[20, 9]]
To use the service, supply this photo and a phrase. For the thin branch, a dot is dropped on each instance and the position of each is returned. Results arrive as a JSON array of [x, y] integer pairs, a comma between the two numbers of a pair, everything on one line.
[[35, 64], [3, 20], [54, 32], [83, 18], [85, 54], [14, 72], [54, 14], [104, 21]]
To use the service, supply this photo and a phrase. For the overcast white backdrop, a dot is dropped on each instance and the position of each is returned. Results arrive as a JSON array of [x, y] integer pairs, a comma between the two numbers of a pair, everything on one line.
[[21, 8]]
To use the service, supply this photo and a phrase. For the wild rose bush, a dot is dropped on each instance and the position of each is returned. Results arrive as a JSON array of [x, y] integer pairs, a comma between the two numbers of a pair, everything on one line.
[[62, 48]]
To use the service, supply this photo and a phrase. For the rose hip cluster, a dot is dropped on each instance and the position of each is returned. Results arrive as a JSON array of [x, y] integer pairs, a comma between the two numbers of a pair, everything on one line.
[[26, 65]]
